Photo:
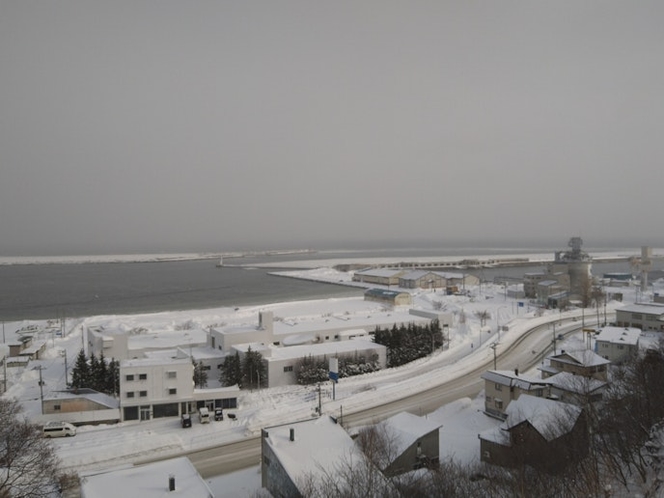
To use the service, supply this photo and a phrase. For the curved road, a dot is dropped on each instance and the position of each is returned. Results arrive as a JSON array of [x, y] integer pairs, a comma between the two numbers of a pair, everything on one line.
[[524, 353]]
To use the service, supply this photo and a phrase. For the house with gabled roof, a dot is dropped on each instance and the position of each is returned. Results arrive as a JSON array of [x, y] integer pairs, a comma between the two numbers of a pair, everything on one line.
[[617, 344], [80, 406], [501, 387], [542, 433], [414, 443], [581, 362], [296, 455], [173, 477], [576, 389]]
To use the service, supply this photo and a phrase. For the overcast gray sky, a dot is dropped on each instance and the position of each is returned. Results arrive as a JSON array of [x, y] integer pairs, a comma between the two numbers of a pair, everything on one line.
[[191, 126]]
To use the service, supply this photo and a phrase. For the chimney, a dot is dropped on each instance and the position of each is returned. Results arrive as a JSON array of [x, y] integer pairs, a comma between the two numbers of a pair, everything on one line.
[[292, 434], [516, 372], [171, 482]]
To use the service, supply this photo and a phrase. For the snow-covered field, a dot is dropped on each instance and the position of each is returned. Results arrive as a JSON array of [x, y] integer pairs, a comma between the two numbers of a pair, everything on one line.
[[98, 447]]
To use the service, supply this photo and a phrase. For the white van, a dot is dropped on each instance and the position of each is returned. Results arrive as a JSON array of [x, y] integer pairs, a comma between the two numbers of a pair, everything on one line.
[[204, 415], [59, 429]]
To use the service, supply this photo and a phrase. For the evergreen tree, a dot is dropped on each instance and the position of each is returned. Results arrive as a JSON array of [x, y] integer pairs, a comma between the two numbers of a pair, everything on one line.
[[231, 371], [100, 375], [253, 369], [200, 375], [80, 376], [112, 377]]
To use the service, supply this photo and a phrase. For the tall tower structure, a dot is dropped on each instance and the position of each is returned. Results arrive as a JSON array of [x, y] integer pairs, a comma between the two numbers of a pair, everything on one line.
[[578, 264]]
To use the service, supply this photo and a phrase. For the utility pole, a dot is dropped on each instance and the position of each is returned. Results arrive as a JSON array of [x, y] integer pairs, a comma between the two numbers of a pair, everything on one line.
[[494, 346], [41, 388], [66, 378], [554, 338]]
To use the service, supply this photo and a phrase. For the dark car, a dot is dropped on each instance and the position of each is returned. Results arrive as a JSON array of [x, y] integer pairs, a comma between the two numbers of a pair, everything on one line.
[[186, 420], [218, 414]]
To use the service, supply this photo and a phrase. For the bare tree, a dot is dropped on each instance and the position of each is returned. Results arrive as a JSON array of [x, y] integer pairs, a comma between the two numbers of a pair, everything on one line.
[[28, 464]]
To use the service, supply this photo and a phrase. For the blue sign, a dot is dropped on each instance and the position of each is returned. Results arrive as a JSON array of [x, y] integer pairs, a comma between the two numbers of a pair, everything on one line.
[[334, 376]]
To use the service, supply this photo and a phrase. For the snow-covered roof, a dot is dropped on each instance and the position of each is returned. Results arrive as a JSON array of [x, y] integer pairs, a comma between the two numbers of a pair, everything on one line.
[[584, 357], [166, 339], [645, 308], [320, 445], [619, 335], [579, 384], [380, 272], [408, 428], [92, 395], [550, 418], [512, 379], [144, 362], [150, 480], [326, 348]]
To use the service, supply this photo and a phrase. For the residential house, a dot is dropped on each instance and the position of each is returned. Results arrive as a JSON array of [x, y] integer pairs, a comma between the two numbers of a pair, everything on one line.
[[582, 362], [539, 432], [644, 316], [617, 344], [414, 443], [576, 389], [295, 455], [173, 477], [501, 387], [531, 281]]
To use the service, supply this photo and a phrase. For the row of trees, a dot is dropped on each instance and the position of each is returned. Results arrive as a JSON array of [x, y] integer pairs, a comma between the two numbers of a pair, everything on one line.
[[247, 372], [96, 373], [310, 370], [407, 343], [103, 375]]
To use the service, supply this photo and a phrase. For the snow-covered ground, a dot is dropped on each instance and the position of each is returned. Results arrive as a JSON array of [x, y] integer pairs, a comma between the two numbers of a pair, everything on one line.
[[98, 447]]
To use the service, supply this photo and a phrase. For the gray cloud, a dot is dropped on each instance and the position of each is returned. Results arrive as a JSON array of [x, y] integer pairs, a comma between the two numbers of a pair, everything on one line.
[[219, 125]]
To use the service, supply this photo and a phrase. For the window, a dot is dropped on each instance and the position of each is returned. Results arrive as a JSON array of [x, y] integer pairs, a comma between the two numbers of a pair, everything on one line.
[[488, 399], [172, 391], [172, 375], [143, 394], [498, 387], [499, 404], [206, 367], [289, 368], [56, 408], [538, 393], [129, 378], [142, 376], [130, 394]]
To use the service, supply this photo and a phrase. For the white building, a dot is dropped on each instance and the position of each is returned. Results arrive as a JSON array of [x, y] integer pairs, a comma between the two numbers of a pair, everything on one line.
[[282, 362], [124, 344], [644, 316], [154, 388], [617, 344], [164, 387]]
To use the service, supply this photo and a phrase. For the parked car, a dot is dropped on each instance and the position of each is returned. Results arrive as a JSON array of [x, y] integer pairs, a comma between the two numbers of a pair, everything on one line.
[[186, 420], [204, 415], [59, 429], [218, 414]]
